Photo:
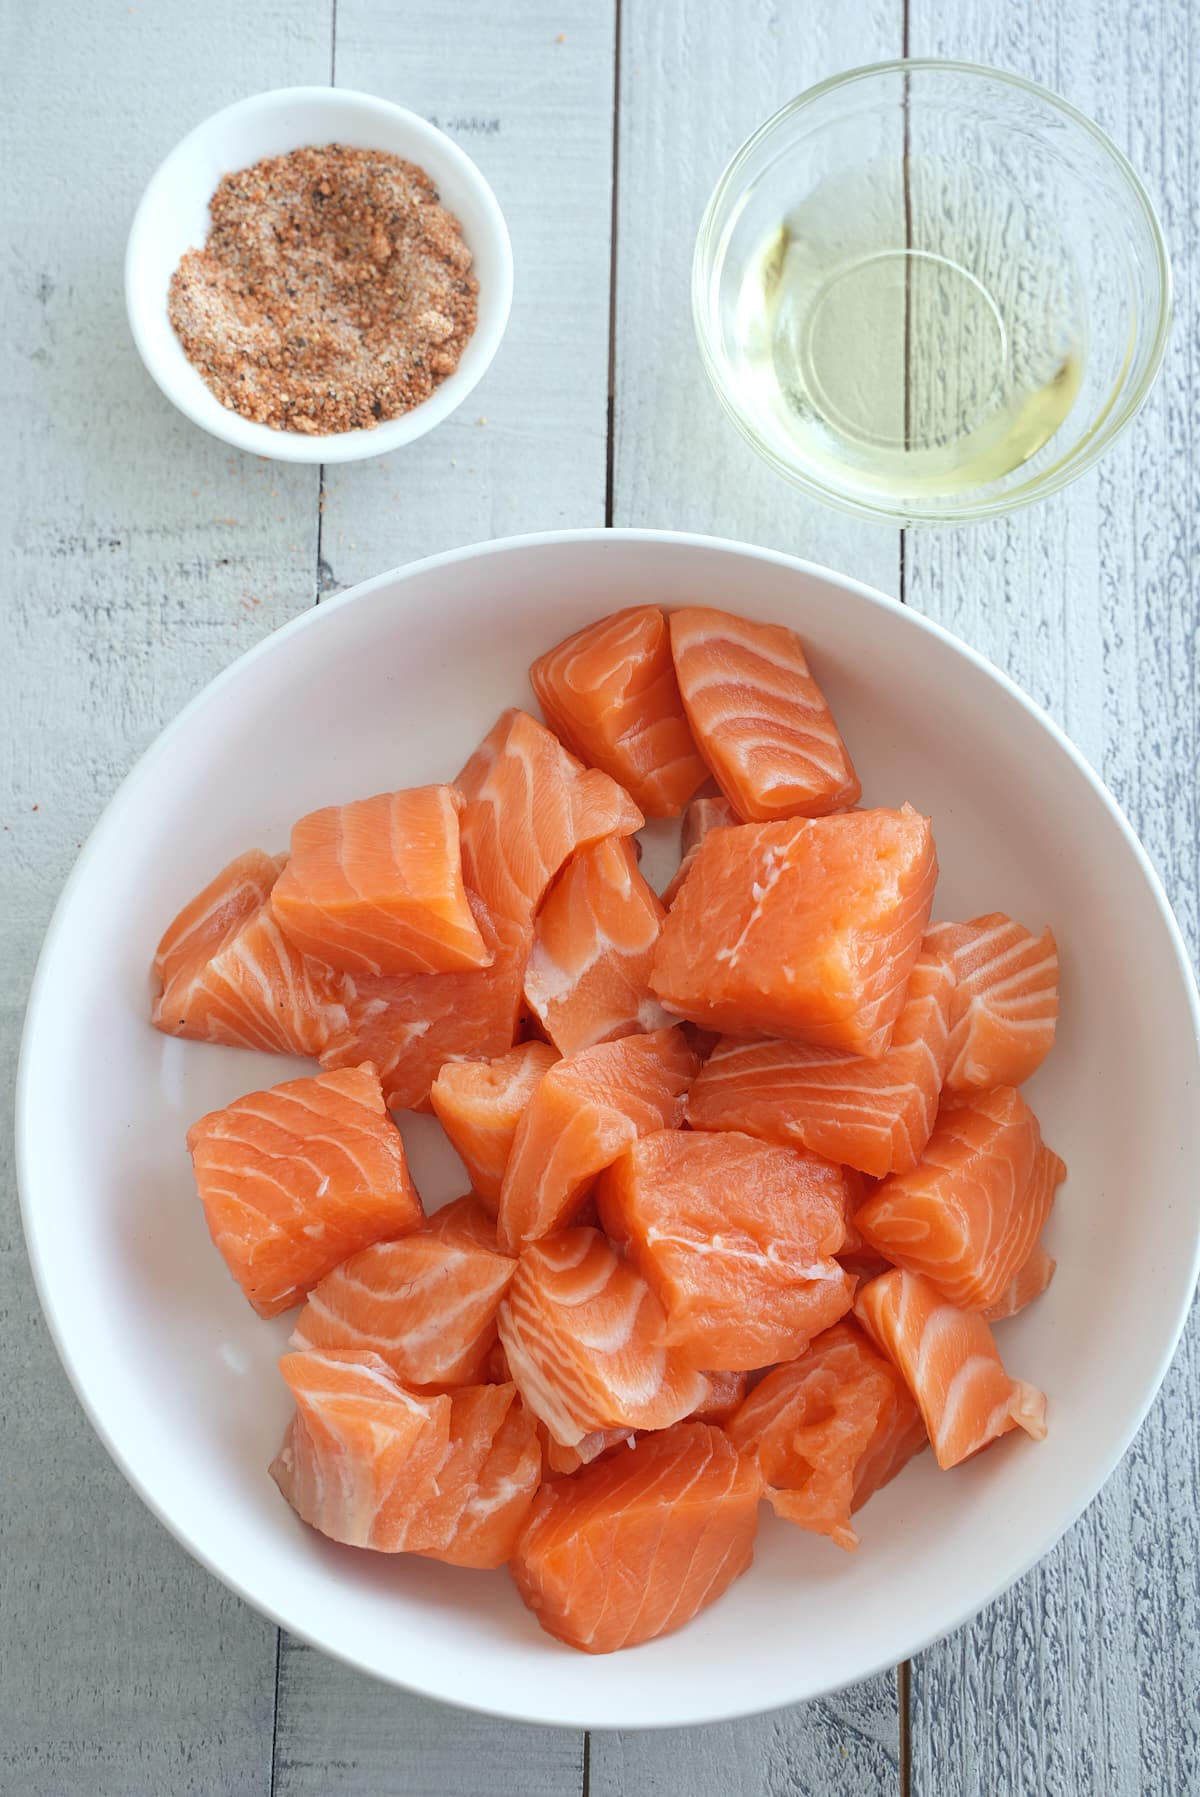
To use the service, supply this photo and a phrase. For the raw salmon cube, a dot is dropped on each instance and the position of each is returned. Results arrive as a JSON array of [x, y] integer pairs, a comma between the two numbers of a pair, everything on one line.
[[530, 805], [426, 1304], [411, 1027], [373, 1465], [806, 929], [586, 1111], [610, 693], [828, 1430], [1030, 1280], [641, 1541], [360, 1449], [296, 1178], [209, 920], [584, 1336], [948, 1359], [230, 975], [1006, 1009], [759, 718], [876, 1116], [969, 1214], [472, 1511], [480, 1103], [376, 887], [736, 1238], [588, 978]]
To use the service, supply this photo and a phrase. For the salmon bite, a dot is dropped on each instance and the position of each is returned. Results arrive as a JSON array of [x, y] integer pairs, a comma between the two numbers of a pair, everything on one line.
[[750, 1174]]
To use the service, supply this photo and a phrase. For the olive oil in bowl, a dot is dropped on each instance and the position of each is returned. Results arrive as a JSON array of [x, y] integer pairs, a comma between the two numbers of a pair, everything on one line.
[[893, 367], [930, 292]]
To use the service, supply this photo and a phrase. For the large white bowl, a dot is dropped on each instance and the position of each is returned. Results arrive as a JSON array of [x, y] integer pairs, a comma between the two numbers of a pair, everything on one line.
[[392, 683], [173, 217]]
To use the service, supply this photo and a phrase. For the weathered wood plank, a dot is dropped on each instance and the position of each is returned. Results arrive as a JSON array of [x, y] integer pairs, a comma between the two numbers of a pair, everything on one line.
[[140, 556], [338, 1730], [846, 1744], [694, 83], [529, 451], [1085, 1678], [529, 95]]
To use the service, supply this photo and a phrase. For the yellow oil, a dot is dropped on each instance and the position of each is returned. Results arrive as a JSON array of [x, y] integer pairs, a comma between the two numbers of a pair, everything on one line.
[[900, 370]]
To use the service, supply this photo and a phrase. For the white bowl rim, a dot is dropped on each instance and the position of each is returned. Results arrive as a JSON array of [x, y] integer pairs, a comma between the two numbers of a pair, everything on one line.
[[341, 446], [142, 771]]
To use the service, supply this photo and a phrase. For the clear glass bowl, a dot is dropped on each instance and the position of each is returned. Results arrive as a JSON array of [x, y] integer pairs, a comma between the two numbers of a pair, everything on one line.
[[930, 292]]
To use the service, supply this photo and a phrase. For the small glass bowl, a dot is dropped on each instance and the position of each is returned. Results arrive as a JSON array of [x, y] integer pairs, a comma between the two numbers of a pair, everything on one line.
[[930, 292]]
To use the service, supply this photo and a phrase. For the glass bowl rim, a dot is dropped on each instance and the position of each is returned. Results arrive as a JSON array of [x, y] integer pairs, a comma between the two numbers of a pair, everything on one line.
[[1100, 434]]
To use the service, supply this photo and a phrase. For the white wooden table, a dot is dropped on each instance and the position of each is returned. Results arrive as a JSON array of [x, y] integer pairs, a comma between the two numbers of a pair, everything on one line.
[[141, 557]]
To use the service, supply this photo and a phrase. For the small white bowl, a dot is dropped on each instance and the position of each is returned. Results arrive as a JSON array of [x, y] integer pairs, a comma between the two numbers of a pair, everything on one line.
[[173, 217]]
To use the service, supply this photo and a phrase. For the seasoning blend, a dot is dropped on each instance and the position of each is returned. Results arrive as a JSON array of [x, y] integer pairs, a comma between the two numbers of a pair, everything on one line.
[[333, 291]]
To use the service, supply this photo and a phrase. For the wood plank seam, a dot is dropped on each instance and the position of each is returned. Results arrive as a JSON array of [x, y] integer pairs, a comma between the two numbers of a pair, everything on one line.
[[611, 445], [275, 1713]]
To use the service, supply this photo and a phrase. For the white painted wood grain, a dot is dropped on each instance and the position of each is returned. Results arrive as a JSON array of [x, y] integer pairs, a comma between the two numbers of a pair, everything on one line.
[[846, 1745], [695, 81], [1085, 1679], [527, 90], [140, 557], [340, 1731], [530, 96]]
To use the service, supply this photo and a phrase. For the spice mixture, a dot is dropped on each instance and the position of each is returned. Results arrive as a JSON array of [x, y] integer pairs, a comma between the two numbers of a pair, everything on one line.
[[333, 291]]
